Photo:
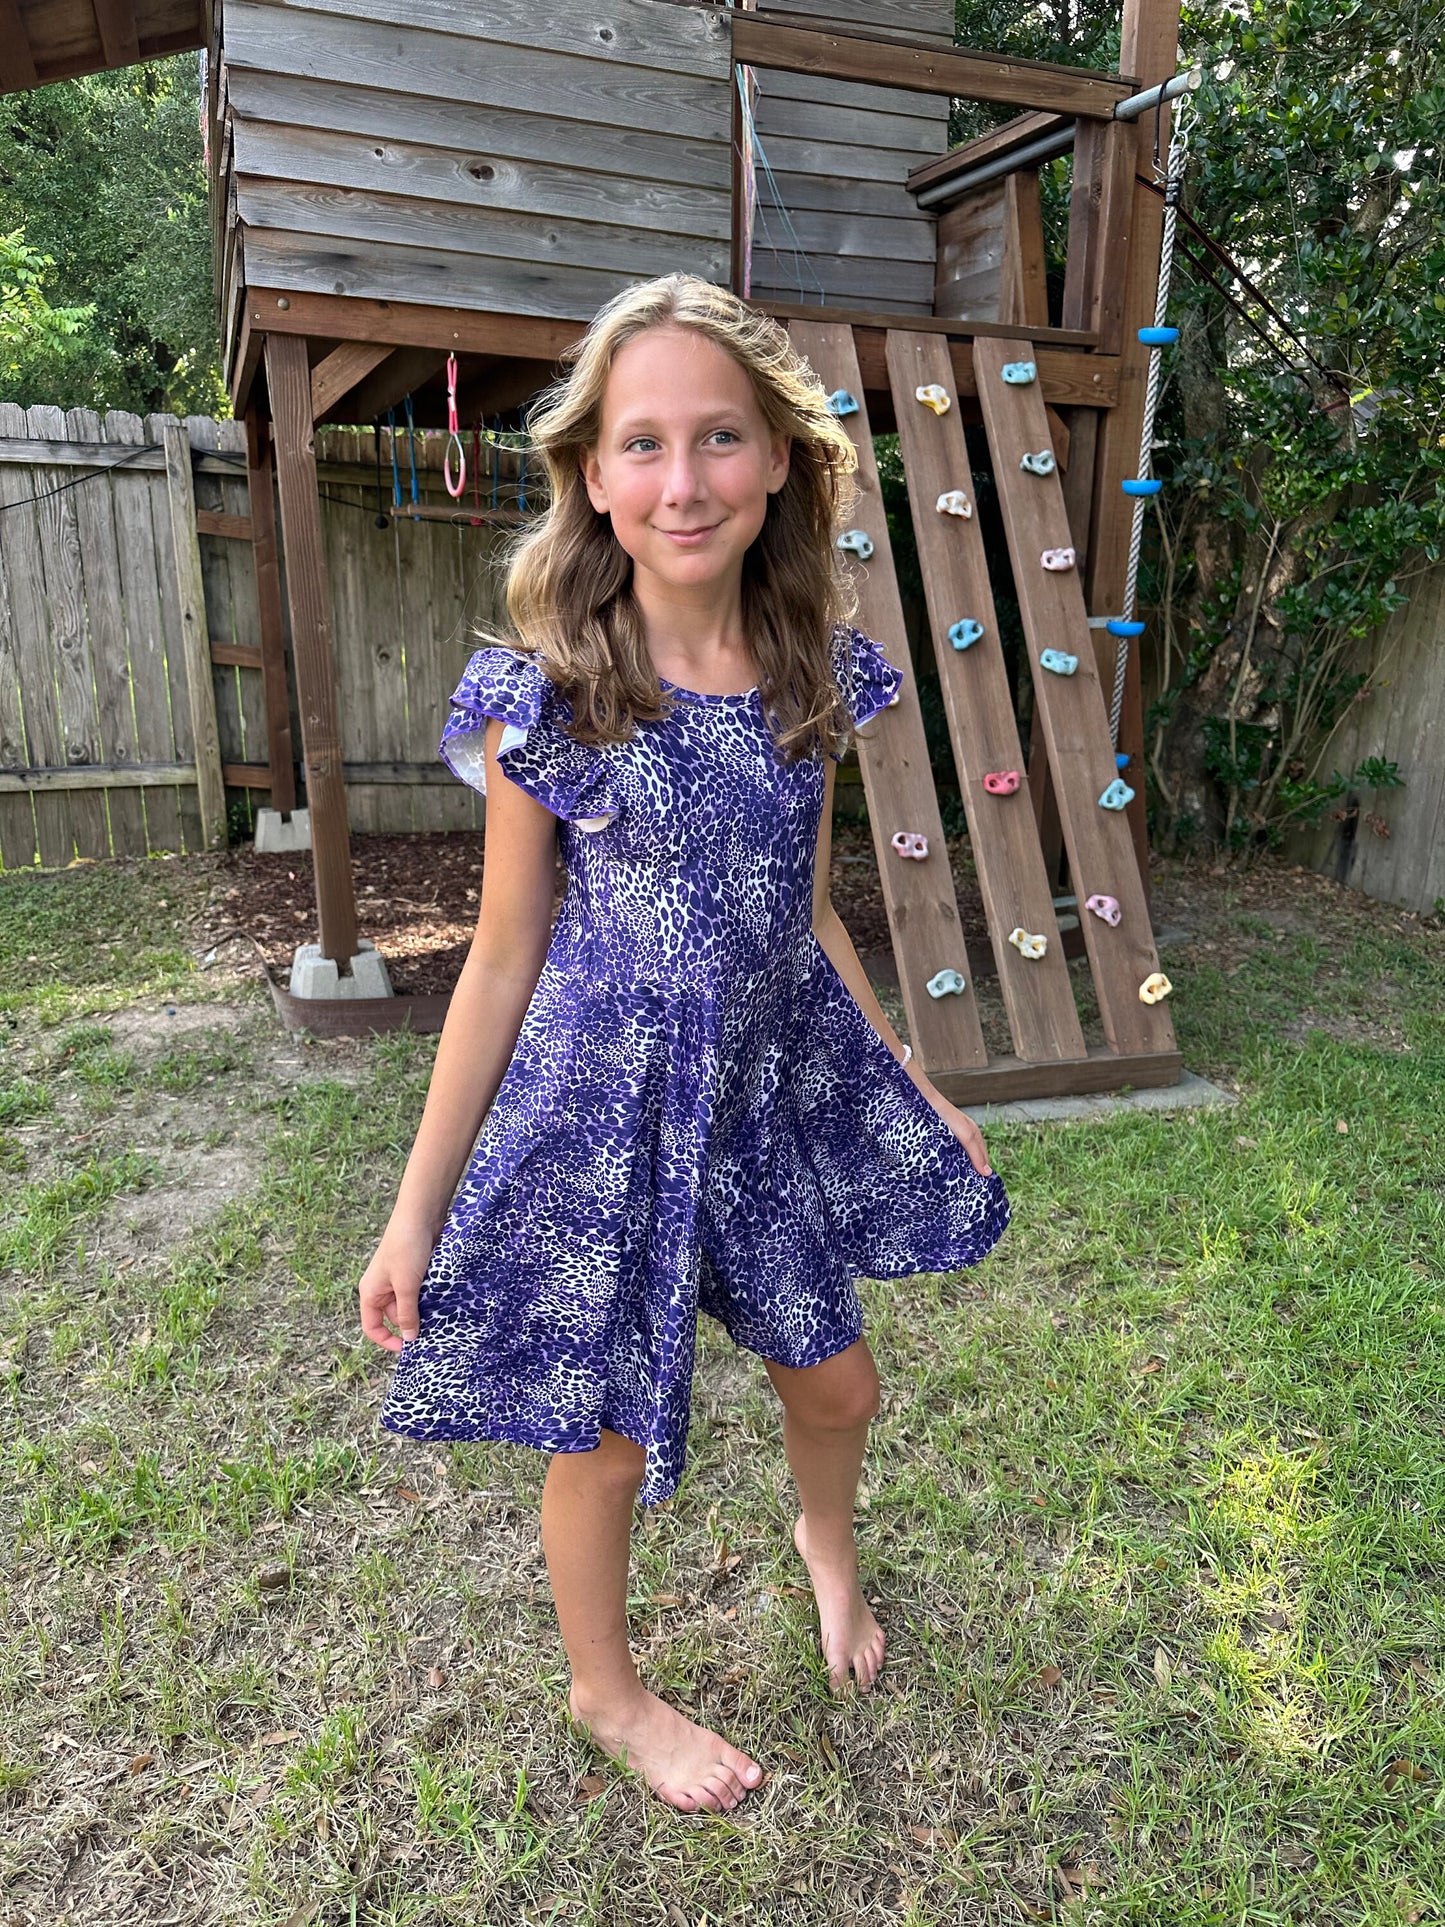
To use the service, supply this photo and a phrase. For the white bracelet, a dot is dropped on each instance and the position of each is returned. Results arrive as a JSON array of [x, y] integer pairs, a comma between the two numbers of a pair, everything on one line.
[[907, 1053]]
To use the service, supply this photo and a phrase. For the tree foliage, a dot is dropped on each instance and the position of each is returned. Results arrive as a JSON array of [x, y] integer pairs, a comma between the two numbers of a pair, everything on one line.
[[104, 176]]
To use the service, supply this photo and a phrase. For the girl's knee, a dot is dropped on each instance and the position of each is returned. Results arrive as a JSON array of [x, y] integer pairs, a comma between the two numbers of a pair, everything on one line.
[[840, 1394]]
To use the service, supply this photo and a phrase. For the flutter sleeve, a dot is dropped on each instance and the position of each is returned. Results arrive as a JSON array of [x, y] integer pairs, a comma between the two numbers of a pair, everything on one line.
[[867, 680], [537, 753]]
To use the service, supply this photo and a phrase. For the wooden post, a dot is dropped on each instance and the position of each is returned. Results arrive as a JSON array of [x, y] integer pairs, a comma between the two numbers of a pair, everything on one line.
[[1149, 47], [279, 753], [288, 384], [195, 637]]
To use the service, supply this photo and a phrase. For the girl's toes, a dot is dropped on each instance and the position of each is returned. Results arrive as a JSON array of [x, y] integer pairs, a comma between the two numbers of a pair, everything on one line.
[[747, 1773]]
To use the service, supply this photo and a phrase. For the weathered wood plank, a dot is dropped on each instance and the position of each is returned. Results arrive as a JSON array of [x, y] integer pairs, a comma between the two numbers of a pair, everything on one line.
[[908, 19], [433, 66], [139, 542], [1076, 723], [74, 678], [491, 181], [393, 221], [922, 910], [1015, 133], [687, 40], [377, 270], [234, 528], [903, 139], [194, 638], [855, 97], [23, 568], [477, 136], [275, 702], [967, 72], [18, 836], [1010, 867]]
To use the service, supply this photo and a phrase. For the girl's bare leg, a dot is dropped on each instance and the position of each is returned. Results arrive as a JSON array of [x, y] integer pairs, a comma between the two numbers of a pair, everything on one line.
[[826, 1413], [587, 1507]]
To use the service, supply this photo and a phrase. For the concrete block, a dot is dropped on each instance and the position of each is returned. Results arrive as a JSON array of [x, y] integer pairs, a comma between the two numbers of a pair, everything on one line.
[[275, 832], [1188, 1094], [313, 975]]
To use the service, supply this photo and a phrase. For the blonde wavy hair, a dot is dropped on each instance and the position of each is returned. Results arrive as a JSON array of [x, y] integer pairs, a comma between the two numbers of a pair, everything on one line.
[[568, 580]]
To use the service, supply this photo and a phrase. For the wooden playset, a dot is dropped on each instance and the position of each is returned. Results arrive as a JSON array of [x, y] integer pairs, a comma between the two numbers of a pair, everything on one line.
[[421, 202]]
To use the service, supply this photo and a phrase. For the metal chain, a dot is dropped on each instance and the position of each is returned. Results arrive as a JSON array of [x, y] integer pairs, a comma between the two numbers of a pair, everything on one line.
[[1174, 181]]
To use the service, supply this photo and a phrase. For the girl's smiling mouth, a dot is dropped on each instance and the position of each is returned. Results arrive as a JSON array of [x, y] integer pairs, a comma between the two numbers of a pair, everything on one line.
[[689, 538]]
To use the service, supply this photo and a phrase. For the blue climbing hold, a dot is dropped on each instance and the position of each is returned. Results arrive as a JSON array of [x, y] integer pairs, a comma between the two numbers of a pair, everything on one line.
[[1117, 795], [1117, 626], [1141, 485], [965, 633], [840, 402], [1158, 337], [1018, 374], [1059, 661], [1121, 761]]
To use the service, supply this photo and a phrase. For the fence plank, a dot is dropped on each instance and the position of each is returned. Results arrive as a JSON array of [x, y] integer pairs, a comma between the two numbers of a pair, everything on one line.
[[100, 567], [21, 563], [195, 650]]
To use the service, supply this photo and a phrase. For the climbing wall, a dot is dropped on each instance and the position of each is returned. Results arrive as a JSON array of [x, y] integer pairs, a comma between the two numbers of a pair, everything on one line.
[[1049, 1050]]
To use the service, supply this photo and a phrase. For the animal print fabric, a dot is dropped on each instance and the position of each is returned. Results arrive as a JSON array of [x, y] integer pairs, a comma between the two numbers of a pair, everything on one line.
[[697, 1113]]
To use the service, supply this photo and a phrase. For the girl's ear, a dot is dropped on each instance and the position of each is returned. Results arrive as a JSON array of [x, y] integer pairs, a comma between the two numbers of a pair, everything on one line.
[[782, 457], [592, 478]]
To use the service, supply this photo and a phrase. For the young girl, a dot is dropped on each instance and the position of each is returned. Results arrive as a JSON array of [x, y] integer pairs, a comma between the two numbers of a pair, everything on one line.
[[686, 1091]]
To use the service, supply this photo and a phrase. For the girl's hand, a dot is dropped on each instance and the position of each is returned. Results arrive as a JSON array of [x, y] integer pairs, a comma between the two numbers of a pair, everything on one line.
[[391, 1284], [964, 1129]]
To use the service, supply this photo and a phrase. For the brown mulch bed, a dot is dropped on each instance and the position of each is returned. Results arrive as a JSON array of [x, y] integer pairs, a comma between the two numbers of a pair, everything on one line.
[[417, 897]]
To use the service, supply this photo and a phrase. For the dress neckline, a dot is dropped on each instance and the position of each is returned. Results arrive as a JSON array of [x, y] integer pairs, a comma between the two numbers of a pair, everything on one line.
[[701, 696]]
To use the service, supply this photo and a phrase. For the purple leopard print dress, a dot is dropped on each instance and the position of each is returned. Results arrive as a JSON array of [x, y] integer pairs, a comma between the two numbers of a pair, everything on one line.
[[697, 1112]]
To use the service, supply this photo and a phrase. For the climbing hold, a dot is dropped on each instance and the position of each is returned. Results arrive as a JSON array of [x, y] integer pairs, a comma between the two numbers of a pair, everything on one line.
[[1027, 944], [1001, 782], [934, 397], [1018, 374], [1041, 462], [1105, 907], [1121, 761], [910, 843], [944, 981], [965, 633], [954, 502], [840, 402], [1117, 626], [1158, 337], [857, 543], [1117, 795], [1154, 988], [1141, 485], [1059, 661], [1057, 560]]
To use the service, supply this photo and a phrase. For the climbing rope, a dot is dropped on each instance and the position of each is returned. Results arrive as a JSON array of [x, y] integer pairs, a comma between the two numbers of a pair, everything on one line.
[[1173, 184]]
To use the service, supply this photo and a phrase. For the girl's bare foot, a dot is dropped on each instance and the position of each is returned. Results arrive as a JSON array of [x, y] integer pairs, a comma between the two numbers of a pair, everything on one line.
[[848, 1633], [684, 1763]]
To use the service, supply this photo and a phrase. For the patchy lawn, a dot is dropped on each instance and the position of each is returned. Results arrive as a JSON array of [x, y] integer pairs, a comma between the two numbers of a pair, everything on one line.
[[1153, 1508]]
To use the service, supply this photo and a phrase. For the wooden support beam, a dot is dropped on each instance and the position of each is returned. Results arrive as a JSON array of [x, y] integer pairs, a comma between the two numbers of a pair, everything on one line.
[[119, 40], [1023, 295], [288, 384], [235, 528], [280, 754], [195, 642], [17, 62], [235, 655], [1037, 993], [1150, 44], [339, 373], [400, 372], [924, 68], [923, 915], [1074, 712]]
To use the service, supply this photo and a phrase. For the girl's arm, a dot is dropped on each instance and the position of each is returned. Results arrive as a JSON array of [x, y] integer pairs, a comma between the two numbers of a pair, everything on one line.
[[838, 946], [496, 984]]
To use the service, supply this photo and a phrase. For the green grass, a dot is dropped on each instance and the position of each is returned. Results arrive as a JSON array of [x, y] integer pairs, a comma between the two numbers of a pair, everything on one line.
[[1154, 1505]]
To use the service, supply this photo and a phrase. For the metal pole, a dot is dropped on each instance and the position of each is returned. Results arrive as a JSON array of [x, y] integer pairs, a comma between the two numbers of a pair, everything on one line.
[[1049, 146]]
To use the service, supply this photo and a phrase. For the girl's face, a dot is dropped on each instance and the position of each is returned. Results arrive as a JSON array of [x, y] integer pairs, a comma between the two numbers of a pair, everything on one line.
[[684, 462]]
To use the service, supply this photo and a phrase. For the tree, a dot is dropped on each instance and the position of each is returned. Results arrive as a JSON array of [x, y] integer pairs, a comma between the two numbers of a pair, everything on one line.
[[105, 176]]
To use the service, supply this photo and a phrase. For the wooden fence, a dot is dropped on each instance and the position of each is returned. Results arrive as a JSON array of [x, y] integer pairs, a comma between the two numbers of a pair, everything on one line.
[[100, 703], [1391, 843]]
